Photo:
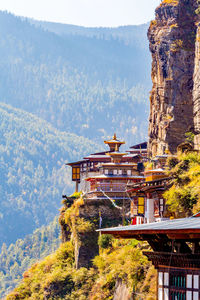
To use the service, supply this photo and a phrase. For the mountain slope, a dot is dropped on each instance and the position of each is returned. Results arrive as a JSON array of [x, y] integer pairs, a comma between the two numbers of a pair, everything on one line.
[[90, 86], [19, 256], [33, 172], [131, 34]]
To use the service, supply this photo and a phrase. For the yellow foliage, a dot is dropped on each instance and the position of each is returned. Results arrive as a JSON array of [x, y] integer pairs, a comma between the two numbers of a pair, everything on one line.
[[174, 26], [183, 198], [176, 45], [54, 268], [153, 23], [172, 2], [124, 261], [56, 274]]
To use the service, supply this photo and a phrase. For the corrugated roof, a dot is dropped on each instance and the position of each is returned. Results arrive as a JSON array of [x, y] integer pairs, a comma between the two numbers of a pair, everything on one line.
[[192, 223]]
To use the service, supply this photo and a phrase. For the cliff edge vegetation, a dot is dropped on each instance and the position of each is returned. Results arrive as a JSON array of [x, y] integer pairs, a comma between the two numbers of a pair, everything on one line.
[[119, 267], [183, 196]]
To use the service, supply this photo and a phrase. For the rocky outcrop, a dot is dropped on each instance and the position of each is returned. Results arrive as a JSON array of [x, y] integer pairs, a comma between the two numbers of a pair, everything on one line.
[[196, 91], [121, 291], [80, 222], [172, 37]]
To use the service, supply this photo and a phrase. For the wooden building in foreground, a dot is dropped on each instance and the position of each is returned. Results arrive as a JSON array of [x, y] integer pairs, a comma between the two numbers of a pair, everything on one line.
[[175, 255], [148, 204]]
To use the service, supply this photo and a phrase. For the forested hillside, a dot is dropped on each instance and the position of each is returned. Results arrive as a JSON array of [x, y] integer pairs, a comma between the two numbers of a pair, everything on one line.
[[62, 91], [19, 256], [88, 85], [33, 172], [83, 82], [131, 35]]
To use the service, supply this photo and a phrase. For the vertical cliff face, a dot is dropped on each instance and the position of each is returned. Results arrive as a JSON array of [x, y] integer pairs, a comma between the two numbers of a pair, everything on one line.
[[196, 91], [172, 38], [196, 94]]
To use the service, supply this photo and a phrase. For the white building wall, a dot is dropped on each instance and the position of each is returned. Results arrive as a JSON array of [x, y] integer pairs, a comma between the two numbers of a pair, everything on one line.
[[149, 214], [85, 185]]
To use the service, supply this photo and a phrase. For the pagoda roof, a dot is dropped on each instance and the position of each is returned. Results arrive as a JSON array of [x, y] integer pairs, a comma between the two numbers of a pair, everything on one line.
[[77, 162], [137, 150], [115, 153], [100, 153], [114, 140], [121, 164], [97, 156], [103, 176], [140, 146], [157, 184], [185, 228]]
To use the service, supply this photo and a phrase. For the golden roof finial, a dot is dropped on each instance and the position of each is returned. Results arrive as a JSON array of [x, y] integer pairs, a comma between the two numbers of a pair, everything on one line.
[[114, 136]]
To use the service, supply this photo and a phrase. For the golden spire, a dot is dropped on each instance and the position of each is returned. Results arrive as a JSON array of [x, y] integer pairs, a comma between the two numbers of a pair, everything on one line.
[[114, 144]]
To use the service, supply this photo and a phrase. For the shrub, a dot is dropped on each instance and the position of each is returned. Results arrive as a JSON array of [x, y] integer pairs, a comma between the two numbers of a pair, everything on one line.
[[105, 241]]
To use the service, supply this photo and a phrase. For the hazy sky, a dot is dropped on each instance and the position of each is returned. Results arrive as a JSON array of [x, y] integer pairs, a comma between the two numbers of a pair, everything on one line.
[[85, 12]]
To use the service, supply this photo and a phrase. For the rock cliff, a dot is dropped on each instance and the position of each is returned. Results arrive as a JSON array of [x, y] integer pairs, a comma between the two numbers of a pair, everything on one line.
[[196, 91], [172, 37], [79, 223]]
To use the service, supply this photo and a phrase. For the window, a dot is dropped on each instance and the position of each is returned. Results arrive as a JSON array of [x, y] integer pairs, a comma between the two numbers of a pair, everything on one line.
[[106, 172], [134, 204], [166, 278], [140, 205], [160, 278], [160, 294], [189, 281], [129, 172], [196, 282], [179, 295], [189, 295], [166, 294], [178, 286], [195, 296], [178, 280], [115, 172], [120, 172], [76, 173], [161, 205]]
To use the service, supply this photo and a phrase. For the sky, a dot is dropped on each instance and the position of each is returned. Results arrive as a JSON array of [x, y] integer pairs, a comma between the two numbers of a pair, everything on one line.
[[89, 13]]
